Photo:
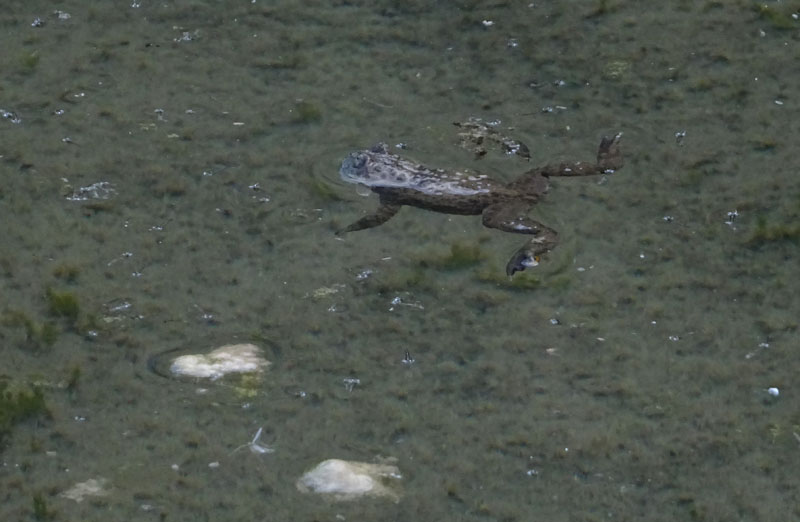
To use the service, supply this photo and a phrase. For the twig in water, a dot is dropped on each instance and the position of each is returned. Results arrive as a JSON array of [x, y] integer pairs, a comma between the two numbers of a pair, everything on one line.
[[254, 445]]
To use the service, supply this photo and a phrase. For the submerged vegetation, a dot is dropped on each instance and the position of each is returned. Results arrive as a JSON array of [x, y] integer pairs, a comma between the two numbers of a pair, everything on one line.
[[63, 304], [17, 406], [462, 255], [322, 189], [29, 61], [525, 281], [779, 17], [62, 307], [40, 509], [38, 335], [307, 112], [766, 232]]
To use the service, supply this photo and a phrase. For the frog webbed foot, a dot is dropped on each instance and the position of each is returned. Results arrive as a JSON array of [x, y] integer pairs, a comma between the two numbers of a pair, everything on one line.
[[511, 216], [382, 214], [609, 159], [609, 156], [531, 253]]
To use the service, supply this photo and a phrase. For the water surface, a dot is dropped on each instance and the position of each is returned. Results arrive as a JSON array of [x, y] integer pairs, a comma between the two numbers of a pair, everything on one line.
[[624, 378]]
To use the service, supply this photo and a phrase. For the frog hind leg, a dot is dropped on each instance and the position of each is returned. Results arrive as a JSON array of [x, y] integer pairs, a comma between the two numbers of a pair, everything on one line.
[[382, 214], [512, 217]]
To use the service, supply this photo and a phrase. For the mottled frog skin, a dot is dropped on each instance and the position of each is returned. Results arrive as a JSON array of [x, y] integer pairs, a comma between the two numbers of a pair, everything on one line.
[[399, 181]]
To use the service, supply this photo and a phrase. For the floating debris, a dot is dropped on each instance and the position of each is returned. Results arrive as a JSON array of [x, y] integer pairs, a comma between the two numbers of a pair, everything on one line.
[[350, 480], [99, 190], [186, 36], [350, 383], [117, 310], [399, 301], [615, 70], [231, 358], [10, 116], [90, 488], [255, 446], [326, 291], [476, 135]]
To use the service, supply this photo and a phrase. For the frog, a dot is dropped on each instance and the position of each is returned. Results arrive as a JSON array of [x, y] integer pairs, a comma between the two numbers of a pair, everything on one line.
[[400, 181]]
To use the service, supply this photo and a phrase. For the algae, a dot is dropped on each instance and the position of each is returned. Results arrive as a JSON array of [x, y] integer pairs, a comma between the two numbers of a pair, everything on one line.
[[307, 112], [66, 272], [38, 335], [73, 379], [323, 190], [520, 281], [776, 17], [29, 60], [769, 233], [462, 255], [18, 406], [62, 304], [40, 509]]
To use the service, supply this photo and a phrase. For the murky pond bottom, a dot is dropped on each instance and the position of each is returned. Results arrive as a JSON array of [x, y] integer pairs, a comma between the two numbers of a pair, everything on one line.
[[170, 186]]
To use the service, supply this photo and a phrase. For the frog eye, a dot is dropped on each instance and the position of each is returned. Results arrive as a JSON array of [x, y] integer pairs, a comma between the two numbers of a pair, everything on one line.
[[360, 161]]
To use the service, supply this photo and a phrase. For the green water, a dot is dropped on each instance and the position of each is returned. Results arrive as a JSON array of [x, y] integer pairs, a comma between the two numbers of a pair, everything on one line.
[[623, 379]]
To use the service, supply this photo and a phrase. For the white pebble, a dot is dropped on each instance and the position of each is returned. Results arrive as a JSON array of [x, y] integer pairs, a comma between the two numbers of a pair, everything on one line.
[[232, 358], [773, 391], [349, 480]]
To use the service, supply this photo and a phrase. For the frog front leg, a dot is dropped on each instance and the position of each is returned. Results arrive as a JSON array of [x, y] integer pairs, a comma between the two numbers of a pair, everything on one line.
[[382, 214]]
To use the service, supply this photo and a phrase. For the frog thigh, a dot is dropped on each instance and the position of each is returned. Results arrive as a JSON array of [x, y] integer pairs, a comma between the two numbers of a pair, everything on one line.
[[382, 214]]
